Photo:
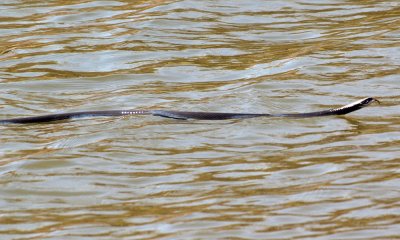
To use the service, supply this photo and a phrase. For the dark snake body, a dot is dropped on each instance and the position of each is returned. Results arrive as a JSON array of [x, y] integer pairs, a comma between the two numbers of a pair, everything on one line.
[[187, 115]]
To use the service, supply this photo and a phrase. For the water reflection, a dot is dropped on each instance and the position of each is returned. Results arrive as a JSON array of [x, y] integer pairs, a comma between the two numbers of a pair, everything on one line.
[[149, 178]]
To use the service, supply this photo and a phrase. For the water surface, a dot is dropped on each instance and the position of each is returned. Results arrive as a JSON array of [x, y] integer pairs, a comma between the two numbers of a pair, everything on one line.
[[144, 177]]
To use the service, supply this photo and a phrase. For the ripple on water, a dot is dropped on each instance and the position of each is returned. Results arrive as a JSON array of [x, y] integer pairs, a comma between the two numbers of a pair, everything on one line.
[[143, 177]]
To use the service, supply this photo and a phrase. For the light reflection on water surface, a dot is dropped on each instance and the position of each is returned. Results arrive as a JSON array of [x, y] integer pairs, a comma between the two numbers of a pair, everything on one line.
[[151, 178]]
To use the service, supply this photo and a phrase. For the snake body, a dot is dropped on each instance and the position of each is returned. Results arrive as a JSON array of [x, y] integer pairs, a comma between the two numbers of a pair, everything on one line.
[[187, 115]]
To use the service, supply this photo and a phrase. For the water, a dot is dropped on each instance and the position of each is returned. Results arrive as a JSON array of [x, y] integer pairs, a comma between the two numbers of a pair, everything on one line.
[[145, 177]]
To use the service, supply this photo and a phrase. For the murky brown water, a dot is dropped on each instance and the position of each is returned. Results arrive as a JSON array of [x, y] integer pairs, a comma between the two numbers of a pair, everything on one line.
[[153, 178]]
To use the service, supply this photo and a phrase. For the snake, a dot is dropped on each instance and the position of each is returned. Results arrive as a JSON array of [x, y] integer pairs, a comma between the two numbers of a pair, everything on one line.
[[183, 115]]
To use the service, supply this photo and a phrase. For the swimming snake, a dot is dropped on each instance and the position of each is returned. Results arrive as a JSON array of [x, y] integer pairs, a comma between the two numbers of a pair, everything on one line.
[[188, 115]]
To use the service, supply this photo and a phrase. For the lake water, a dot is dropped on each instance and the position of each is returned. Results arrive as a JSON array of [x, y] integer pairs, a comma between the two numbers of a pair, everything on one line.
[[145, 177]]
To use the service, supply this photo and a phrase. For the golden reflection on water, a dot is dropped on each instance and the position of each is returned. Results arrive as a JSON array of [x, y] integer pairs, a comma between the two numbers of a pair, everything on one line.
[[150, 178]]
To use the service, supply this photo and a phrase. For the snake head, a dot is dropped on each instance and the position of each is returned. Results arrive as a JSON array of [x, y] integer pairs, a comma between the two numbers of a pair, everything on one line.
[[369, 100]]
